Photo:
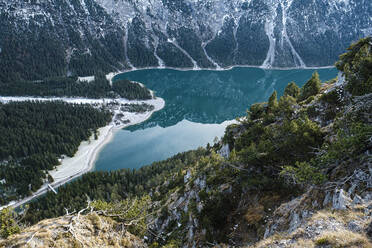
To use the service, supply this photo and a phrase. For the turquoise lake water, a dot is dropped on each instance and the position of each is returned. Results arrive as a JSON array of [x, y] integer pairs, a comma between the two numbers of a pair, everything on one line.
[[198, 104]]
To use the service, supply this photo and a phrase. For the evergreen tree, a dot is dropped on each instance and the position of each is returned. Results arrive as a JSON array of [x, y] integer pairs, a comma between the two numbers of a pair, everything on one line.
[[273, 102], [311, 88], [356, 65], [292, 90]]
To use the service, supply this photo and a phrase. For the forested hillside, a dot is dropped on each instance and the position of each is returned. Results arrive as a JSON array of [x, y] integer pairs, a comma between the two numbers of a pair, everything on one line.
[[34, 135], [72, 87], [295, 172]]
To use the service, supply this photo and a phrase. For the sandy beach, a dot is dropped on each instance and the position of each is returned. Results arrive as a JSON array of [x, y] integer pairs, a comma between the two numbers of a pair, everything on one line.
[[84, 159]]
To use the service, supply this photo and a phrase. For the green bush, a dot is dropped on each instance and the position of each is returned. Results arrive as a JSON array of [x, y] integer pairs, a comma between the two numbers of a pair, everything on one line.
[[303, 174], [8, 223], [351, 141]]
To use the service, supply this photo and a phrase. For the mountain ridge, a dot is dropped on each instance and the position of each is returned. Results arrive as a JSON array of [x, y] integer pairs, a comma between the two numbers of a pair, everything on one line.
[[86, 36]]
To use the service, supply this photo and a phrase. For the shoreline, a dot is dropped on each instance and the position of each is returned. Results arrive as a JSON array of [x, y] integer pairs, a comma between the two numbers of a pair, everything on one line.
[[112, 75], [84, 159]]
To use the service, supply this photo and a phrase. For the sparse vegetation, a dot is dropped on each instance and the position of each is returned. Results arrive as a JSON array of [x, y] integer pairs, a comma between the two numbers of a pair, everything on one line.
[[343, 239]]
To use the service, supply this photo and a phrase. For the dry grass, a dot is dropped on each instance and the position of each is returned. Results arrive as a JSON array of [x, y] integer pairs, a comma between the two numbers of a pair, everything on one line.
[[90, 230], [269, 242], [303, 243], [254, 214], [342, 216], [343, 238]]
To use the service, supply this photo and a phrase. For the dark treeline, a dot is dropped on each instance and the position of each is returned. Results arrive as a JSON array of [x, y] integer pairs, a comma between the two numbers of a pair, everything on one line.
[[115, 186], [70, 86], [34, 135]]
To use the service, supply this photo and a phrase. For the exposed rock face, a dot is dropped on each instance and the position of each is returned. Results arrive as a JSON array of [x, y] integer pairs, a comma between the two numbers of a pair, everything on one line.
[[115, 34], [303, 221], [340, 200]]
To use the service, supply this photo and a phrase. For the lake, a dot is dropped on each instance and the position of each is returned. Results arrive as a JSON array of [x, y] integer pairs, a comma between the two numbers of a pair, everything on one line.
[[198, 107]]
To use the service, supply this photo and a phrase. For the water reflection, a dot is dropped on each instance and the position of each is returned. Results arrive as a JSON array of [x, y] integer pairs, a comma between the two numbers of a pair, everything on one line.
[[214, 96]]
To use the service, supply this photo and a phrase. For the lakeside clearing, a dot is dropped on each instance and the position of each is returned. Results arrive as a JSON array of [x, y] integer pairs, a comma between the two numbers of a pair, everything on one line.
[[84, 159]]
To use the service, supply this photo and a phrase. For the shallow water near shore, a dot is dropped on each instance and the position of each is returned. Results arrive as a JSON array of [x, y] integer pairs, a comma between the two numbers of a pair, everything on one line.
[[197, 106]]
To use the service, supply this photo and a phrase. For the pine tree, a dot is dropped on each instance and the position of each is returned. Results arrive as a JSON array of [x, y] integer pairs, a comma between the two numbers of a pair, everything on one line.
[[356, 66], [311, 88], [273, 102], [292, 90]]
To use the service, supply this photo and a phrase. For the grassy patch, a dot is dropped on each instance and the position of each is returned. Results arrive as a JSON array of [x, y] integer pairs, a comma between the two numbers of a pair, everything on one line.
[[342, 239]]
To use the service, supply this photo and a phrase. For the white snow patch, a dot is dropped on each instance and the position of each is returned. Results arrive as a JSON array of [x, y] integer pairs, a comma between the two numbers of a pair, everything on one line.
[[173, 41], [86, 79]]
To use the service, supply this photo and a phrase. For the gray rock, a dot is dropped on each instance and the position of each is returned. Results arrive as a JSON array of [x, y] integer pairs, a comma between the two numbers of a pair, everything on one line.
[[225, 151], [327, 199], [354, 226], [357, 200], [187, 177], [295, 222], [369, 230], [340, 200]]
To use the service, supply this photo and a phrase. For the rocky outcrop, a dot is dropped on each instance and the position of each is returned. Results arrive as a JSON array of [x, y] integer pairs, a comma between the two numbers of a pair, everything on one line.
[[89, 230]]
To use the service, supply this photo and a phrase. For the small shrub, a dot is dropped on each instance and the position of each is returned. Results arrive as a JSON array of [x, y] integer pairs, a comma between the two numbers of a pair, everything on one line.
[[8, 223], [303, 174]]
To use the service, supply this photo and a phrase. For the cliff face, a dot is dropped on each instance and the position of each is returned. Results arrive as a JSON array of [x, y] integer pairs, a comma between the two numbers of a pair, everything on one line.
[[86, 36]]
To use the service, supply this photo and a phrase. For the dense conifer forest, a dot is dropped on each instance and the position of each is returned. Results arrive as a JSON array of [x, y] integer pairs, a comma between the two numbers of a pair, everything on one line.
[[34, 135], [114, 186], [71, 87]]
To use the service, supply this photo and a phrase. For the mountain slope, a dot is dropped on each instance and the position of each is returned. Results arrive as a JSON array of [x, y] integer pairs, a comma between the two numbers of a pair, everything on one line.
[[46, 38], [294, 172]]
